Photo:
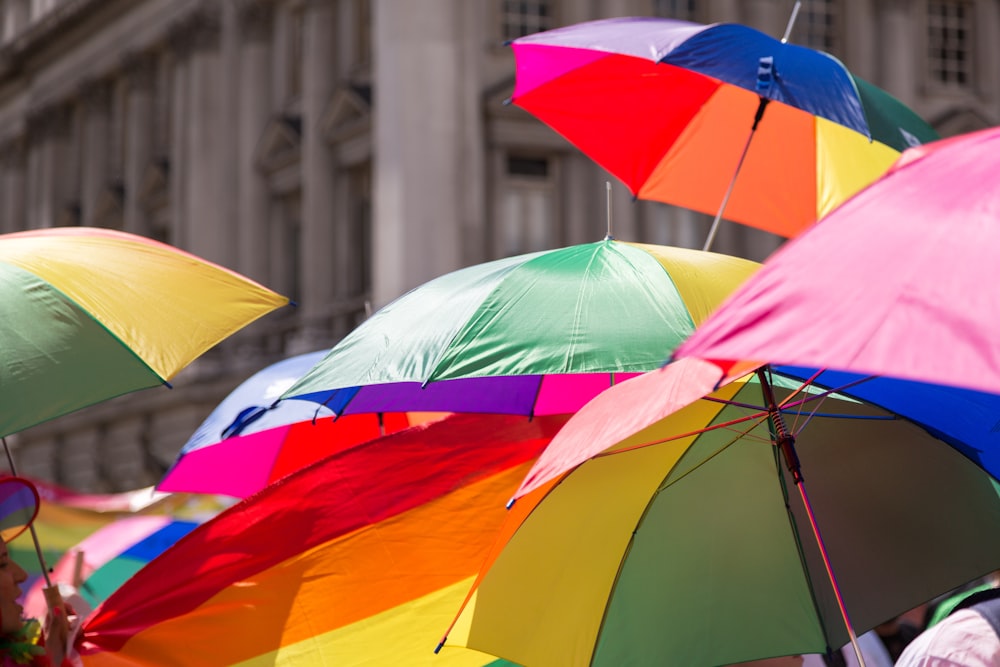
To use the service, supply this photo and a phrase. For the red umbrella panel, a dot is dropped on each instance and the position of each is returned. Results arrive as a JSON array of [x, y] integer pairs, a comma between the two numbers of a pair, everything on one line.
[[359, 559], [715, 118], [249, 439]]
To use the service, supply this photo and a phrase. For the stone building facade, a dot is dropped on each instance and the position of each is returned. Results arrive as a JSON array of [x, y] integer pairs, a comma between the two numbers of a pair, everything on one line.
[[344, 151]]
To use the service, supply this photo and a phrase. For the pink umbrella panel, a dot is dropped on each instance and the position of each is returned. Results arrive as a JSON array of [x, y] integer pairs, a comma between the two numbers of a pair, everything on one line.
[[107, 558], [896, 282]]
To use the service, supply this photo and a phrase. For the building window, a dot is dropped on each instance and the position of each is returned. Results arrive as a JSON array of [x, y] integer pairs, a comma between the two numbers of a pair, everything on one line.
[[523, 17], [949, 41], [526, 206], [818, 25], [676, 9]]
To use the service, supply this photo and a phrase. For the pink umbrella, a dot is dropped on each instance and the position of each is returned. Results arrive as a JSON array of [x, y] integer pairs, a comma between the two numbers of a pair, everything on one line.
[[898, 281]]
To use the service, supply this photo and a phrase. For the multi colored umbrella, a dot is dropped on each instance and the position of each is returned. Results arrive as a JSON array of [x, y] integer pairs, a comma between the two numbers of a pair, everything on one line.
[[356, 560], [18, 506], [90, 314], [533, 334], [686, 535], [896, 282], [104, 560], [68, 520], [676, 109], [250, 439]]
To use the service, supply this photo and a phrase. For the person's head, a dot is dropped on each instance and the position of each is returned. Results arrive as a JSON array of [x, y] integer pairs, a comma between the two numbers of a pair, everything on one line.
[[12, 576]]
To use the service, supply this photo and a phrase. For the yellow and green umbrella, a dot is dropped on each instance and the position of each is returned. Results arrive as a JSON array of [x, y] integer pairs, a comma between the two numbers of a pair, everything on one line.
[[533, 334], [665, 525], [90, 314]]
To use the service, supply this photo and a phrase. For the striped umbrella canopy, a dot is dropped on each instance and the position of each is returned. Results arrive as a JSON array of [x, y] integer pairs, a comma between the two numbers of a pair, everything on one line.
[[359, 559], [715, 118], [101, 562], [781, 514], [66, 517], [250, 439], [90, 314], [533, 334]]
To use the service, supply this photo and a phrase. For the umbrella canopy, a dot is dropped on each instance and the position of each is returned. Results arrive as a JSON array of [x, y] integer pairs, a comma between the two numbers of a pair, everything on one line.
[[355, 560], [897, 282], [66, 517], [532, 334], [105, 559], [687, 539], [90, 314], [251, 439], [669, 106], [18, 506]]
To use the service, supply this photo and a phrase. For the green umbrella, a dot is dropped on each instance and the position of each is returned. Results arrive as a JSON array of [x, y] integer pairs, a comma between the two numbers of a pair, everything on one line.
[[540, 333]]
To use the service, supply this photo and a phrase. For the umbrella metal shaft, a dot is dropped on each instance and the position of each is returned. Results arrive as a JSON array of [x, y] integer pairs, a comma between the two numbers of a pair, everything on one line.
[[785, 441], [739, 165]]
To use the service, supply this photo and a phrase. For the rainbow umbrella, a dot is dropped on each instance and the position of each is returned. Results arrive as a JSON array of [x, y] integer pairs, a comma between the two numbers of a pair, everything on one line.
[[533, 334], [668, 525], [356, 560], [105, 559], [90, 314], [250, 439], [717, 118], [66, 517], [18, 506]]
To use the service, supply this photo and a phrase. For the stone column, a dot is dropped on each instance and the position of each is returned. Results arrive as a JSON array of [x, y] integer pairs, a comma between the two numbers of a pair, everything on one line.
[[420, 178], [471, 157], [42, 133], [255, 22], [12, 182], [768, 16], [95, 147], [139, 72], [724, 11], [898, 74], [318, 175], [122, 454], [578, 201], [15, 17], [178, 144], [77, 457], [205, 222]]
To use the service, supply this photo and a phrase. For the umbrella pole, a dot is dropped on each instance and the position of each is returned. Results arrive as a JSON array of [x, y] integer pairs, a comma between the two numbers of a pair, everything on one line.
[[785, 441], [739, 165], [31, 527]]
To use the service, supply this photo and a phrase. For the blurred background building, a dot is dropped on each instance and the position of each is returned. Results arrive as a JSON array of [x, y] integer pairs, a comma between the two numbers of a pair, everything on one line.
[[344, 151]]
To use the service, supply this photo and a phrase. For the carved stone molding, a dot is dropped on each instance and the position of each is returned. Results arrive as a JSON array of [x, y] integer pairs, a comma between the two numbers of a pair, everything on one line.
[[95, 94], [256, 19], [348, 113], [154, 184], [199, 30], [48, 121], [280, 144], [140, 69], [895, 5], [12, 151]]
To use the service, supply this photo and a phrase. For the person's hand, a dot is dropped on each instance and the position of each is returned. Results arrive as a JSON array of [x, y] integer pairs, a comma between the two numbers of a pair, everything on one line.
[[60, 626]]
